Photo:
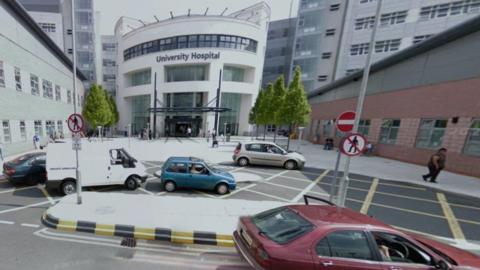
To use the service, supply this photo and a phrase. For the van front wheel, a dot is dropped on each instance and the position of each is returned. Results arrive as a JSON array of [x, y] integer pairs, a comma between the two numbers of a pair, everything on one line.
[[131, 183], [69, 187]]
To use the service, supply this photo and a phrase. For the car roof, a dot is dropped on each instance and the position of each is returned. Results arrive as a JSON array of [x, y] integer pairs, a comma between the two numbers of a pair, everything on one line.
[[337, 216], [261, 142], [184, 159]]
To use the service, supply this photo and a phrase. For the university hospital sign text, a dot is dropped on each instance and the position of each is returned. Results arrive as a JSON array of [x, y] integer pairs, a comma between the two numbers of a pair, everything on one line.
[[185, 57]]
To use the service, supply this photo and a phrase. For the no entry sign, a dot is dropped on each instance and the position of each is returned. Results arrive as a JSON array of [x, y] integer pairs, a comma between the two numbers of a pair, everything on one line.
[[345, 121], [353, 144], [75, 123]]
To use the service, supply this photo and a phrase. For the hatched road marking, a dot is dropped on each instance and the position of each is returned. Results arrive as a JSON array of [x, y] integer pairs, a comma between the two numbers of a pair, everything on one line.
[[369, 198], [30, 225], [6, 222], [46, 194], [450, 216], [16, 189], [309, 187]]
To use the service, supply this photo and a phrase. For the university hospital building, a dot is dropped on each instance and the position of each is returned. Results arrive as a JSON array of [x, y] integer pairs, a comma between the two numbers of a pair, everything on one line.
[[420, 99], [36, 84]]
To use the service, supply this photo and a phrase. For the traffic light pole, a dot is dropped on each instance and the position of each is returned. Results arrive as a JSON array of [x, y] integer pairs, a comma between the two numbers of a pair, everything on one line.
[[344, 181]]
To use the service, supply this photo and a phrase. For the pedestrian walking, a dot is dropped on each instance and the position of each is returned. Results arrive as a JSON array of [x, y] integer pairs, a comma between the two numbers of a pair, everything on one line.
[[36, 141], [189, 132], [435, 165]]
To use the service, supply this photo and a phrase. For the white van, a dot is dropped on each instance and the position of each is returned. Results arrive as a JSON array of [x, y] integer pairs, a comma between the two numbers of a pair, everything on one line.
[[99, 164]]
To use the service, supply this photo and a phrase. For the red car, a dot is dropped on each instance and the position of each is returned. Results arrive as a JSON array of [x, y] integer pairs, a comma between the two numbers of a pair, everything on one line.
[[315, 237]]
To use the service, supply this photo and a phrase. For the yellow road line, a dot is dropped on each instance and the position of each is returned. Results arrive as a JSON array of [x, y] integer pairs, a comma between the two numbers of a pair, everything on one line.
[[46, 194], [450, 216], [369, 198]]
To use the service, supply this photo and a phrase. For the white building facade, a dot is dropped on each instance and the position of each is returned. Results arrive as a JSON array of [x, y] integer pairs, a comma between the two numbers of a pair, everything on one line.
[[36, 84], [51, 24], [185, 56], [108, 50]]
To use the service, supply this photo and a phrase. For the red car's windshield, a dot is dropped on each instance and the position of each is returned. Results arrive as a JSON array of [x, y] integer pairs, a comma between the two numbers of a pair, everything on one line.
[[282, 225]]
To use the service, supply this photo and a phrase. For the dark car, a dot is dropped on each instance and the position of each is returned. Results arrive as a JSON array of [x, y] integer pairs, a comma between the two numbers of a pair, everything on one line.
[[28, 169], [314, 237]]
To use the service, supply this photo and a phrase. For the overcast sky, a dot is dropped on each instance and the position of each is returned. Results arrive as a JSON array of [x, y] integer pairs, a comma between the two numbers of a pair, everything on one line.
[[111, 10]]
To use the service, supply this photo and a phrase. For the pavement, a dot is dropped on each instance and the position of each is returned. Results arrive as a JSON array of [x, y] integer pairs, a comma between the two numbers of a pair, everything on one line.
[[179, 220]]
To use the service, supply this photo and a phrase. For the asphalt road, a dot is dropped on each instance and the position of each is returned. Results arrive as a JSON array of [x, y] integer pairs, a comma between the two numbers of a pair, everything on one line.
[[411, 207]]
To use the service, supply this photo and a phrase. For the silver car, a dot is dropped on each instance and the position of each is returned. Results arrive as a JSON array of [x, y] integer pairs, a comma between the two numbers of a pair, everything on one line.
[[267, 153]]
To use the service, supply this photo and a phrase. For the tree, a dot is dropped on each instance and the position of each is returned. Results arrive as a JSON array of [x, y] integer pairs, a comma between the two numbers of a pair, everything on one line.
[[252, 116], [97, 110], [295, 109], [263, 113], [276, 102], [113, 109]]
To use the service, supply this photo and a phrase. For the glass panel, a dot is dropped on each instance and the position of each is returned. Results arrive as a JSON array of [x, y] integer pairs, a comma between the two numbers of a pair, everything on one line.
[[140, 115], [229, 121], [183, 100], [350, 244], [140, 78], [186, 73], [233, 74]]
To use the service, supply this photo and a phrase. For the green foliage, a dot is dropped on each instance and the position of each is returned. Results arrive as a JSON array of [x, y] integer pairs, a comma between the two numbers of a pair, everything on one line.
[[113, 109], [97, 109], [295, 109], [263, 110], [277, 101]]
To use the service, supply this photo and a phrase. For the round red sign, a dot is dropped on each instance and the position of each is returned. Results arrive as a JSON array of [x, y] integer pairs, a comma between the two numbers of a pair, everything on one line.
[[345, 121]]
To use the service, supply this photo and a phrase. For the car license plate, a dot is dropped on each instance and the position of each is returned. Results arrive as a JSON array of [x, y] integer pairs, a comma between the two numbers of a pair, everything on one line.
[[245, 236]]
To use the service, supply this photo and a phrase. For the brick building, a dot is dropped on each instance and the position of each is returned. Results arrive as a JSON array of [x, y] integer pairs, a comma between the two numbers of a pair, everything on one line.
[[418, 100]]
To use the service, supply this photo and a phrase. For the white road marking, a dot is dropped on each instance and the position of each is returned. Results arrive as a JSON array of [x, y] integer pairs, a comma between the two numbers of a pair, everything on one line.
[[160, 193], [30, 225], [283, 186], [146, 191], [268, 195], [16, 189], [24, 207], [252, 185], [309, 187], [47, 195], [7, 222], [237, 169]]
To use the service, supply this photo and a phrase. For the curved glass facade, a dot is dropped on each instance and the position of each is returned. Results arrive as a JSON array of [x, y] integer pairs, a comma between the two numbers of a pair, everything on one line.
[[191, 41]]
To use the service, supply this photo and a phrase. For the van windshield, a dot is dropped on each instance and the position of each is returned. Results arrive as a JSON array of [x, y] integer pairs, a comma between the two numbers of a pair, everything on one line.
[[282, 225]]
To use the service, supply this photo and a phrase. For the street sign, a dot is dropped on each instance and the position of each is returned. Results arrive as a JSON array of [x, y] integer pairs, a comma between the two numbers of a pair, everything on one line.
[[75, 123], [77, 142], [345, 121], [353, 144]]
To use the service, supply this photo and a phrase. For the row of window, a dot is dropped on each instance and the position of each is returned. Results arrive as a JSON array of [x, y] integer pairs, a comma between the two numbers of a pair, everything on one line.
[[380, 46], [191, 41], [430, 133], [48, 27], [47, 86], [38, 129]]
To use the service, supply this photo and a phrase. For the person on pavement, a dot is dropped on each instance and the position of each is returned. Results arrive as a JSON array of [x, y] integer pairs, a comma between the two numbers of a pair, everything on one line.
[[36, 141], [435, 165], [1, 151]]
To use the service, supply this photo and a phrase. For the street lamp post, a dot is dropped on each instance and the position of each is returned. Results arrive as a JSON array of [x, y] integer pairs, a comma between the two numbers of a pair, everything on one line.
[[344, 181], [75, 102]]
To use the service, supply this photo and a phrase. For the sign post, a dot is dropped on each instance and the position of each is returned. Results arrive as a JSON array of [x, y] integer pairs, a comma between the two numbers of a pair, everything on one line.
[[344, 123], [75, 123]]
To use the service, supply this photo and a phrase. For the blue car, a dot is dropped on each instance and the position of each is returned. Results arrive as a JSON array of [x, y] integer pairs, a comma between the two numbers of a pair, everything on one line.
[[27, 169], [194, 173]]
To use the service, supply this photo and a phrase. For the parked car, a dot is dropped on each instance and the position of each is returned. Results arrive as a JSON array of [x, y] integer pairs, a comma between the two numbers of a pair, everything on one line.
[[313, 237], [27, 169], [267, 153], [190, 172]]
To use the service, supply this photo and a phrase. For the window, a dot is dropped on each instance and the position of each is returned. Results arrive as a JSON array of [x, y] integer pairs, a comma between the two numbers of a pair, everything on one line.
[[38, 127], [449, 9], [140, 77], [58, 93], [47, 89], [327, 128], [430, 133], [23, 131], [418, 39], [50, 125], [334, 7], [364, 23], [108, 63], [233, 74], [48, 27], [393, 18], [322, 78], [69, 96], [34, 85], [389, 131], [330, 32], [351, 71], [177, 167], [282, 225], [254, 147], [472, 146], [109, 47], [191, 41], [401, 250], [7, 137], [345, 244], [326, 55], [186, 73], [2, 75], [109, 77], [359, 49], [18, 79], [387, 45], [60, 127], [366, 1], [364, 126]]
